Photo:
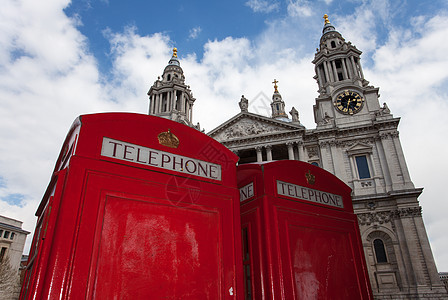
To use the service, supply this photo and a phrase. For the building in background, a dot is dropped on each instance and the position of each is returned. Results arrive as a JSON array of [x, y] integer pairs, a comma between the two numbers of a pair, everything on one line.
[[12, 241], [355, 138]]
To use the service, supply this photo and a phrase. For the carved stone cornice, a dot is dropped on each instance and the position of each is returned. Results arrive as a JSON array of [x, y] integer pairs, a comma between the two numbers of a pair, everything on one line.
[[408, 212], [382, 217], [388, 135]]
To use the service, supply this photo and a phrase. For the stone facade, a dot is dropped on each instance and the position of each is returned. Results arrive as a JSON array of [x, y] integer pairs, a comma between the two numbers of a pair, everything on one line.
[[356, 139]]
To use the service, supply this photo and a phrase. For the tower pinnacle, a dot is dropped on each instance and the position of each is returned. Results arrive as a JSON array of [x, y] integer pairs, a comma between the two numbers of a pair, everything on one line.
[[275, 85], [326, 19]]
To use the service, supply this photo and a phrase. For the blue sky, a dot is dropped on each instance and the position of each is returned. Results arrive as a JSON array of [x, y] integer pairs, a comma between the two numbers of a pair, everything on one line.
[[60, 59]]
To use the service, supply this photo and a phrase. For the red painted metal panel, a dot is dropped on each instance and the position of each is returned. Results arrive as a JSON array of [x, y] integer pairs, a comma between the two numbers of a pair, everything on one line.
[[153, 250], [310, 245], [127, 226]]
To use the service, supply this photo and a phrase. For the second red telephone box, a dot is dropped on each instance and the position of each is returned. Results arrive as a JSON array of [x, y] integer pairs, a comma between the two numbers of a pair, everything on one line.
[[300, 235]]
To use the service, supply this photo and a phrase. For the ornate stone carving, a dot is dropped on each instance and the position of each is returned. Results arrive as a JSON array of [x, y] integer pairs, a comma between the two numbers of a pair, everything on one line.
[[408, 212], [246, 128], [312, 152], [366, 183], [374, 217]]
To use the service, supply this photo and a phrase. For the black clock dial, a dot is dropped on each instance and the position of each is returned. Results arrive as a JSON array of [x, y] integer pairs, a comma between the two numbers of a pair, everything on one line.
[[349, 102]]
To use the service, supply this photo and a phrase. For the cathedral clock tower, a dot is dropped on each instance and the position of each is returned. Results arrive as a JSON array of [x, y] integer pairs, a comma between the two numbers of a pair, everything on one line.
[[344, 97]]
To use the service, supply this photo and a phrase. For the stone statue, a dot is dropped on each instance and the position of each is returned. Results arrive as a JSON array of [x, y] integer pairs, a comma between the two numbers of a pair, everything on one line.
[[244, 104], [385, 110], [295, 115]]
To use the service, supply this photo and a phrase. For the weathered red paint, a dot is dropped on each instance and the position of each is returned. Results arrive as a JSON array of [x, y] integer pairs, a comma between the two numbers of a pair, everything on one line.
[[126, 228], [307, 248]]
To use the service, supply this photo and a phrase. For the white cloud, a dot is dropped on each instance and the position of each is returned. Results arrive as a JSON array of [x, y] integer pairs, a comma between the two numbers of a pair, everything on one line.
[[299, 8], [411, 71], [194, 32], [263, 6]]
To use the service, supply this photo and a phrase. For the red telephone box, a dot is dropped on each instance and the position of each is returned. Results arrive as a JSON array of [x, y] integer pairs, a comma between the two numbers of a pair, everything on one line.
[[300, 236], [138, 207]]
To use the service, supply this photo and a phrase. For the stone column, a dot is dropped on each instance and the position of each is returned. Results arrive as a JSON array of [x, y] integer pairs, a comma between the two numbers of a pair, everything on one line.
[[301, 152], [349, 67], [159, 103], [168, 101], [335, 72], [325, 155], [320, 76], [404, 168], [151, 105], [174, 101], [290, 150], [269, 152], [259, 154], [354, 67], [389, 153], [344, 69], [328, 74], [360, 68]]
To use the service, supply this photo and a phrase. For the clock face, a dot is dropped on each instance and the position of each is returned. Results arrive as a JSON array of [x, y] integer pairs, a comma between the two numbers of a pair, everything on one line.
[[349, 102]]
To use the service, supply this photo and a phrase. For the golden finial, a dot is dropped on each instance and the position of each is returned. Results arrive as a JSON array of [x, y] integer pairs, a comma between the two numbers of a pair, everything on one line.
[[275, 85], [326, 19], [174, 52]]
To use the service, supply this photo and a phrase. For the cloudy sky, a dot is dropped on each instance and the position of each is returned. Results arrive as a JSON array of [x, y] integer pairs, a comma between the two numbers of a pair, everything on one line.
[[60, 59]]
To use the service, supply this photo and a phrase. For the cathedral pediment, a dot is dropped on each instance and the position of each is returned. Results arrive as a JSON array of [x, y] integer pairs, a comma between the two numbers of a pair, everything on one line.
[[246, 124]]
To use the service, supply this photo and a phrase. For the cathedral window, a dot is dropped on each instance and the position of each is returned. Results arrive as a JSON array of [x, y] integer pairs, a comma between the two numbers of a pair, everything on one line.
[[380, 251], [333, 44], [362, 166]]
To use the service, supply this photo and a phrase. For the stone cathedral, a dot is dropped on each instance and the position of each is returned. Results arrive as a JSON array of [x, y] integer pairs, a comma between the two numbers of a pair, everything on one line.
[[355, 138]]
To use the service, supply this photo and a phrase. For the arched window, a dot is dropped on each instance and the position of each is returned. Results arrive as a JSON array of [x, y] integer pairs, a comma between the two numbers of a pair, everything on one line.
[[333, 44], [380, 251]]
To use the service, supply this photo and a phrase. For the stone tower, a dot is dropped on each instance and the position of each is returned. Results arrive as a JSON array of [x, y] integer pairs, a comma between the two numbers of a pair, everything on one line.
[[170, 97], [359, 143], [278, 105]]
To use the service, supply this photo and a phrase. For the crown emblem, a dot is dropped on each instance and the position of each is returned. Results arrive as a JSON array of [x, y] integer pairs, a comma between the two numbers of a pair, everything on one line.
[[310, 178], [168, 139]]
